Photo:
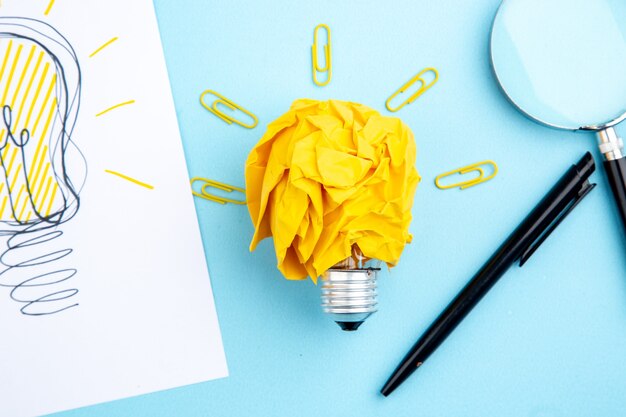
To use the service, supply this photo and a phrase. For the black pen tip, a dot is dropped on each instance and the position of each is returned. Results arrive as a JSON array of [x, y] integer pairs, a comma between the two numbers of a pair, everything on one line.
[[399, 376], [393, 383]]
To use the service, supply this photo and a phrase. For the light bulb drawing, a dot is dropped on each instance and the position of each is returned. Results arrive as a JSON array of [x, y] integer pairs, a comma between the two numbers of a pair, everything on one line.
[[42, 171], [93, 194]]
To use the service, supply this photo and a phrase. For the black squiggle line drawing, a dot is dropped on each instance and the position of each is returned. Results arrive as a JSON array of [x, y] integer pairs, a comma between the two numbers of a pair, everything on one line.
[[28, 263]]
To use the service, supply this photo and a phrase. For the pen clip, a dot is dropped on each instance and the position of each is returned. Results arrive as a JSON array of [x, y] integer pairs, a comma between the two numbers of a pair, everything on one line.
[[585, 188]]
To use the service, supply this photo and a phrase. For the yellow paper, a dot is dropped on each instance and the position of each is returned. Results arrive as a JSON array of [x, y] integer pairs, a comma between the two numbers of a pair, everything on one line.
[[328, 175]]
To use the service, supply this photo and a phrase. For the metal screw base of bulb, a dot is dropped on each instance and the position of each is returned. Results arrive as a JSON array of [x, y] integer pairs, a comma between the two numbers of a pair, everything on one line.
[[349, 296]]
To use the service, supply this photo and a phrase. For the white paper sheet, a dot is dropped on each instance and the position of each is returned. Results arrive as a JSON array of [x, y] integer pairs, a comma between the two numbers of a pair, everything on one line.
[[104, 291]]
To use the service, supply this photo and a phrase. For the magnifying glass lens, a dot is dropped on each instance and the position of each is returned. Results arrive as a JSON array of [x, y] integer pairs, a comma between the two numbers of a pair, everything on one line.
[[562, 62]]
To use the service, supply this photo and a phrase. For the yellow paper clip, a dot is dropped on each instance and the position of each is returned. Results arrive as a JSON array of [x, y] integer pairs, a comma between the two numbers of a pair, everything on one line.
[[477, 167], [327, 57], [226, 102], [220, 186], [423, 88]]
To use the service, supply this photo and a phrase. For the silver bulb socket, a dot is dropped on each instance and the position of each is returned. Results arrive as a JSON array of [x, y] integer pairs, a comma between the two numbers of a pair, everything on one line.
[[349, 296]]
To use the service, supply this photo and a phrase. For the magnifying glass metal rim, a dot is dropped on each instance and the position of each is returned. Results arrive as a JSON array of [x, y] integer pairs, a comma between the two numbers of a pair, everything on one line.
[[609, 143], [595, 128]]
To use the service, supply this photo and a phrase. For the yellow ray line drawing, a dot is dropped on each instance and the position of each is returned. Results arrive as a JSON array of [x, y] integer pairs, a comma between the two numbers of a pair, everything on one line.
[[15, 61], [127, 178], [126, 103], [49, 8], [103, 46]]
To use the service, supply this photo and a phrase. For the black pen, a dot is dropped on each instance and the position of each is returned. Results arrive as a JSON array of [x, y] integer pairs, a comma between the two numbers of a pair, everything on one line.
[[521, 244]]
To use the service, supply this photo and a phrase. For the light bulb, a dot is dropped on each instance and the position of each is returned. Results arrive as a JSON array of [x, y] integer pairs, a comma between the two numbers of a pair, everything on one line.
[[332, 182], [39, 98], [349, 290]]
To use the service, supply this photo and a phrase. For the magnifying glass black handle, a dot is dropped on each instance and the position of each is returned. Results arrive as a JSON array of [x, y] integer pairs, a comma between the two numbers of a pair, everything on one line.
[[616, 172], [612, 147]]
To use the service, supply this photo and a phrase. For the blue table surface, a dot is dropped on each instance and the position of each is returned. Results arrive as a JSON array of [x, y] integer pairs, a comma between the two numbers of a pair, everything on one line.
[[547, 341]]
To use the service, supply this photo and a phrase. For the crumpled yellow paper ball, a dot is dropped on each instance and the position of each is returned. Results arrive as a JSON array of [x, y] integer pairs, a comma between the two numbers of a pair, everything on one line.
[[328, 175]]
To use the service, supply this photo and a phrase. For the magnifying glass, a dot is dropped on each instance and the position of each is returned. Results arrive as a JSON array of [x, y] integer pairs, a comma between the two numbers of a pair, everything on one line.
[[563, 64]]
